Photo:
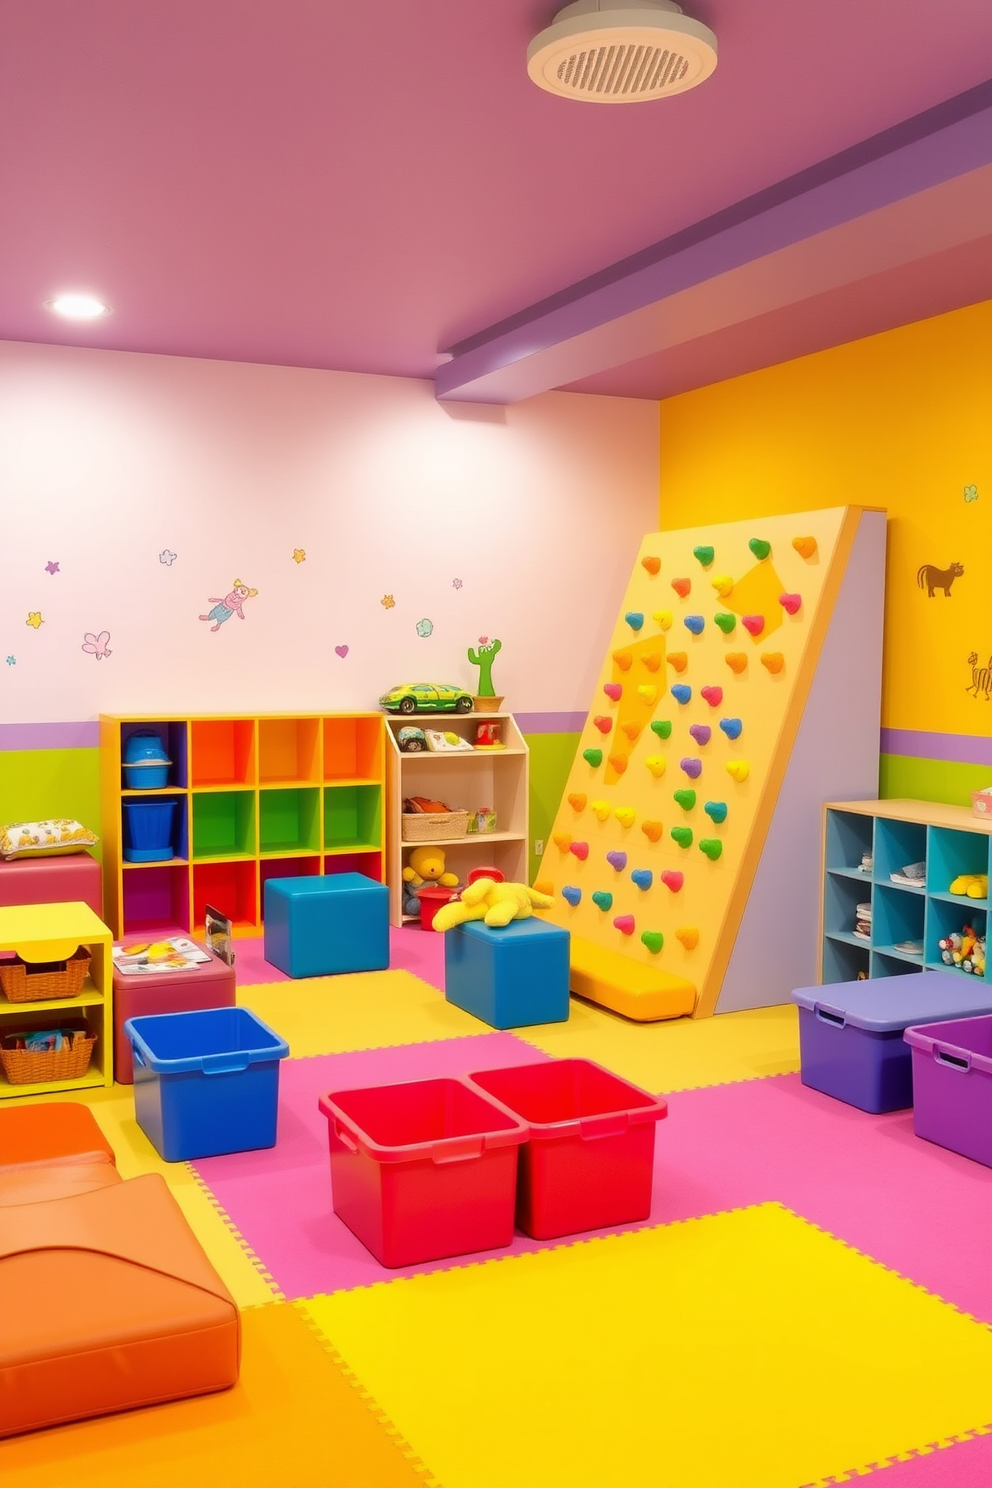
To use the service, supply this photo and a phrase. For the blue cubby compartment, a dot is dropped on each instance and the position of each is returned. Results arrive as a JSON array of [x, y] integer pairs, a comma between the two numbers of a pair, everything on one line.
[[946, 916], [845, 961], [848, 837], [156, 830], [173, 739], [897, 844], [950, 854], [892, 966], [841, 898], [897, 916]]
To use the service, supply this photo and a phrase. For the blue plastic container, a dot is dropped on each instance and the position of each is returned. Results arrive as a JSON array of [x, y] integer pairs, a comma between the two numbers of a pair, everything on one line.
[[146, 763], [206, 1083], [148, 831], [851, 1033], [509, 976]]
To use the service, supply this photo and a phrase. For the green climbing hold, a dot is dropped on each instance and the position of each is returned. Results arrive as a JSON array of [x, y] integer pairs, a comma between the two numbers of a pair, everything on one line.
[[705, 555], [686, 799], [682, 835], [653, 939], [593, 757], [602, 901], [727, 623], [711, 846], [759, 547], [662, 727]]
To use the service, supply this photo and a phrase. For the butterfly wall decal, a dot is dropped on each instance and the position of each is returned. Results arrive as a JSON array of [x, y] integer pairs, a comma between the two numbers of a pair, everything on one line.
[[97, 645]]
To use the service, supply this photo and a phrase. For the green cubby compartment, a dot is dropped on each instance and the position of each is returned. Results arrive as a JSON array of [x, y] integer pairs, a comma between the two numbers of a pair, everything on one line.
[[844, 961], [848, 837], [353, 748], [352, 818], [289, 821], [946, 917], [288, 751], [897, 917], [222, 751], [884, 966], [897, 844], [231, 888], [841, 898], [950, 854], [223, 825]]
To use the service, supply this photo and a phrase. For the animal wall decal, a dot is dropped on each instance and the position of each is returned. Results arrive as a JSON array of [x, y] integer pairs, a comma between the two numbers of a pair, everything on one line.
[[931, 578], [981, 678]]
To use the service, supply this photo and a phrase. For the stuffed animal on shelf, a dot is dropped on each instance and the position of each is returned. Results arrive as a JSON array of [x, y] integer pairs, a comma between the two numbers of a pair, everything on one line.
[[426, 866], [495, 903], [972, 885]]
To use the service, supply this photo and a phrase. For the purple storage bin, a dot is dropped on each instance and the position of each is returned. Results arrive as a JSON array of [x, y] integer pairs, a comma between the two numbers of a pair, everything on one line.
[[952, 1085]]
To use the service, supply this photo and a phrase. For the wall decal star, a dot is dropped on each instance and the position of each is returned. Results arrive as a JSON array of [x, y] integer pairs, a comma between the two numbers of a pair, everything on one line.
[[299, 555], [51, 567], [34, 619]]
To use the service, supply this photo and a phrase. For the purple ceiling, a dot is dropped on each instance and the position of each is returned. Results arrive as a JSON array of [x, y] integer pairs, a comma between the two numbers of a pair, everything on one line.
[[362, 186]]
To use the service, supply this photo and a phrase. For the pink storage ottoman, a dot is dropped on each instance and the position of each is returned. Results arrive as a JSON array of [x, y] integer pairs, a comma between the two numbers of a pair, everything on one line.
[[74, 879], [209, 985]]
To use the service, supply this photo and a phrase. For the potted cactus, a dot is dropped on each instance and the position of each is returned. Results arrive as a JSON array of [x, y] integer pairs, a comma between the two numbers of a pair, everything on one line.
[[486, 700]]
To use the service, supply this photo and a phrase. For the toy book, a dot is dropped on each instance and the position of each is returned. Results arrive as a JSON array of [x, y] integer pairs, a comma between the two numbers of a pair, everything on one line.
[[148, 958]]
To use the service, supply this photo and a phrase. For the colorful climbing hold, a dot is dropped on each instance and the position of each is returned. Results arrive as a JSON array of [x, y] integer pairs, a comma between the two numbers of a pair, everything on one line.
[[652, 660], [681, 693], [726, 622], [682, 587], [662, 727], [662, 618], [652, 830], [593, 757], [617, 860], [754, 625], [651, 563], [689, 936], [631, 728], [678, 660], [760, 548], [642, 877], [647, 693], [804, 546], [625, 924], [634, 619], [701, 732], [682, 835], [617, 763], [601, 810], [723, 585], [580, 850], [577, 801], [695, 623], [571, 895], [705, 554], [613, 691], [544, 886], [716, 811], [623, 660], [603, 723], [773, 660], [653, 939], [673, 880], [691, 767], [625, 815], [738, 770], [562, 840], [602, 900], [711, 846], [732, 727], [736, 660], [713, 695], [791, 603], [686, 799], [657, 764]]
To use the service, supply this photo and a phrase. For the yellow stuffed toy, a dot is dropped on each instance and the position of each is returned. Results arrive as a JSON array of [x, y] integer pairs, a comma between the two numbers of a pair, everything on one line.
[[426, 866], [495, 903]]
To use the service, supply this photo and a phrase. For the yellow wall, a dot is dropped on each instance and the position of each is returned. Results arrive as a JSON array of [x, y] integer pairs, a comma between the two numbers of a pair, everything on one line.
[[900, 420]]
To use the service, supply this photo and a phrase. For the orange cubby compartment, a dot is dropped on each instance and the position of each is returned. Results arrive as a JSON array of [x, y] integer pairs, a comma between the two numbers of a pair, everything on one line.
[[222, 751], [353, 747], [288, 751], [231, 888]]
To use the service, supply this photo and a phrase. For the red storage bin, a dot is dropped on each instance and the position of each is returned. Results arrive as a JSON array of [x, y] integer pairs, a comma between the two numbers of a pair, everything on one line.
[[589, 1159], [423, 1170]]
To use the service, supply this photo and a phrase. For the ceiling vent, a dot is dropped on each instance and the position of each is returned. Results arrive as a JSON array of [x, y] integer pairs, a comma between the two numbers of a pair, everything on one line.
[[621, 51]]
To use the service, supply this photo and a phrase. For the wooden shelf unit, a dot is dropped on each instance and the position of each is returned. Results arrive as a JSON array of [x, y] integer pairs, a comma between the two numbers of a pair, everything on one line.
[[949, 839], [258, 796], [496, 779]]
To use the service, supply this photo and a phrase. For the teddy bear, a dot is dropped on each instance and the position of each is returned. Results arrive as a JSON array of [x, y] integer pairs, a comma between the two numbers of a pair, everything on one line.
[[495, 903], [426, 866]]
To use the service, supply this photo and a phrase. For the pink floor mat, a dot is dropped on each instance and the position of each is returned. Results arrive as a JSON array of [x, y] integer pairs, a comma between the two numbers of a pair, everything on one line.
[[867, 1179], [410, 949]]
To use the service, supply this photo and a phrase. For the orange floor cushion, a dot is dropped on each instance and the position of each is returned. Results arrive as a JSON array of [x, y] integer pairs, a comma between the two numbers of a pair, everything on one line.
[[50, 1132], [109, 1302]]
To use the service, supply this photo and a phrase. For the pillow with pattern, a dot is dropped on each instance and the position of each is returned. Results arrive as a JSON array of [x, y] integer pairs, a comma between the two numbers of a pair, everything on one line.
[[44, 839]]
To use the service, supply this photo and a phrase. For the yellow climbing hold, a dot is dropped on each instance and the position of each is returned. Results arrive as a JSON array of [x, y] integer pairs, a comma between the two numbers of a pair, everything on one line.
[[625, 815], [723, 585], [600, 810], [648, 693], [738, 770], [663, 618], [657, 764]]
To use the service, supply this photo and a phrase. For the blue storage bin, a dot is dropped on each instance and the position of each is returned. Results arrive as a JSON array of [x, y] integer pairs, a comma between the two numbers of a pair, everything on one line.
[[509, 976], [146, 763], [851, 1033], [206, 1083], [148, 830]]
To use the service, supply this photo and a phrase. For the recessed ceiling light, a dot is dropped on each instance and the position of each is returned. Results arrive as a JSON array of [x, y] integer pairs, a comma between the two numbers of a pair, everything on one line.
[[78, 306], [621, 51]]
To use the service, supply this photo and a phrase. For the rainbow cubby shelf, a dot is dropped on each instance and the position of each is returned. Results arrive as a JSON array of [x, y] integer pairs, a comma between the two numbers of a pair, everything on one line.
[[257, 797]]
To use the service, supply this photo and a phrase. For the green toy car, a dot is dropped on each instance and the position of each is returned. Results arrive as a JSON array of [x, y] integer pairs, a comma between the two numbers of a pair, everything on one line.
[[426, 697]]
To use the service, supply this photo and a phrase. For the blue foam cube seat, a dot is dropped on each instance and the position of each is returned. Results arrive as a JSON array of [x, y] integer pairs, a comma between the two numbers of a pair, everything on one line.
[[326, 924], [510, 976]]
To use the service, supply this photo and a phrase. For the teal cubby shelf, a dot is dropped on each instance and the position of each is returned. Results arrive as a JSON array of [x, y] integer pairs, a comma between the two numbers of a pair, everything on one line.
[[908, 920]]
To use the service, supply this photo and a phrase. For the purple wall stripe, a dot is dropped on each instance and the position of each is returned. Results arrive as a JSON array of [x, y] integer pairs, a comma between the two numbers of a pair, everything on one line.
[[960, 749], [49, 735]]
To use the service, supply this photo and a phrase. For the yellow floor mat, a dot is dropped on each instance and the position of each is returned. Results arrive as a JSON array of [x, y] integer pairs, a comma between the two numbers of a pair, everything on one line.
[[742, 1350], [369, 1010], [294, 1420]]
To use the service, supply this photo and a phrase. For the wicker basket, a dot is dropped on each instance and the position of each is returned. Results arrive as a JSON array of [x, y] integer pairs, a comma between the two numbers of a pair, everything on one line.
[[433, 826], [23, 981], [32, 1066]]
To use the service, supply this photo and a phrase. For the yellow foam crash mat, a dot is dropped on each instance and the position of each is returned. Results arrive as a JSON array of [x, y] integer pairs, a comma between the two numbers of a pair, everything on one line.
[[369, 1010], [294, 1419], [681, 1055], [741, 1350], [644, 993]]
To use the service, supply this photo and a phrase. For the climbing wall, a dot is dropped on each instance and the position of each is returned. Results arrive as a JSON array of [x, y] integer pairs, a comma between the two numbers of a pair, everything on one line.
[[666, 846]]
